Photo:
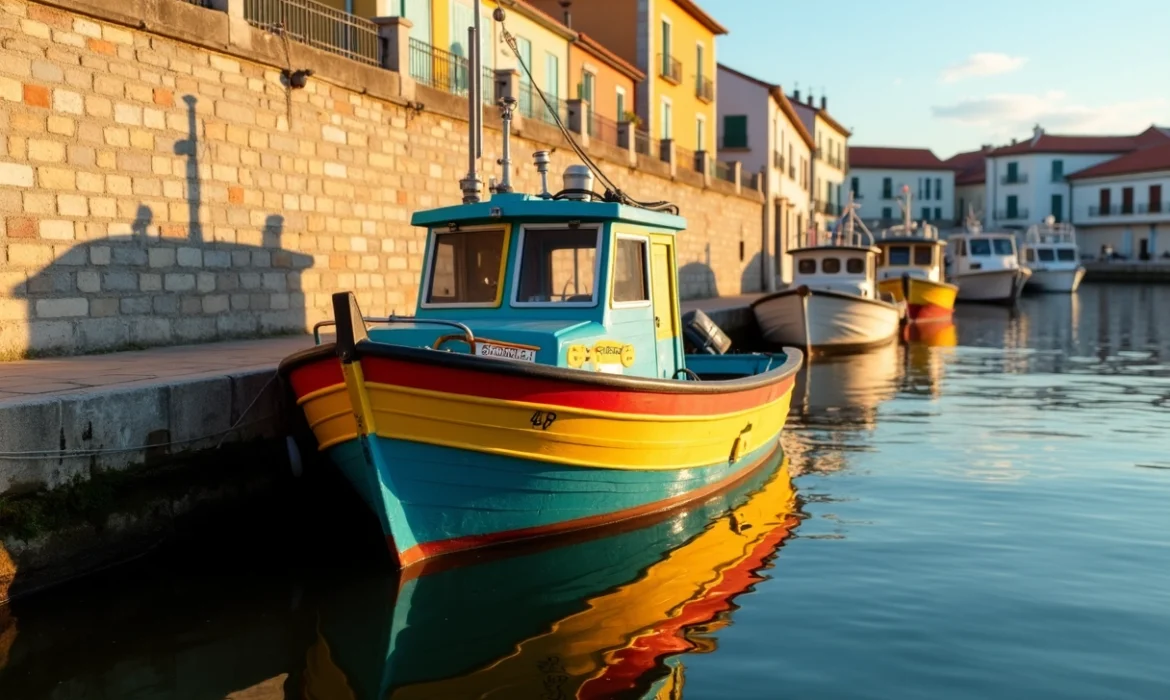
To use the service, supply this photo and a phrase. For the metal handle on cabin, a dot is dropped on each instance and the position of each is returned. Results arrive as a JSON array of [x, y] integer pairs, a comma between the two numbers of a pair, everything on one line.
[[400, 319]]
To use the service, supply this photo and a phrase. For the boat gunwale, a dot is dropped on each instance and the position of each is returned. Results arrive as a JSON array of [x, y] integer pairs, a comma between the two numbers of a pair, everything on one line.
[[794, 359], [811, 291]]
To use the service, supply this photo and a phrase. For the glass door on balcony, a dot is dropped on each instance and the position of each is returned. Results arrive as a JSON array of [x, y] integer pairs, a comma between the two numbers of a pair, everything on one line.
[[1155, 199], [1013, 173], [587, 80], [1013, 206], [1058, 207], [1104, 201], [664, 69], [525, 49], [1127, 200]]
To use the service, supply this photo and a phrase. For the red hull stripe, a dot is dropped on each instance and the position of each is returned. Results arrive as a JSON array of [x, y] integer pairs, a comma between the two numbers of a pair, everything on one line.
[[427, 550], [310, 377], [928, 312]]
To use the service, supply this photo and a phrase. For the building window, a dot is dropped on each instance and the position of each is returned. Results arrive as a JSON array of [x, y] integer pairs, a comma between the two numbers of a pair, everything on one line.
[[585, 92], [1103, 200], [938, 214], [1013, 173], [887, 213], [938, 189], [1126, 200], [1057, 171], [552, 72], [1057, 205], [1155, 199], [667, 119], [887, 189], [665, 48], [854, 187], [1013, 206], [700, 133], [525, 47], [926, 213], [621, 104], [629, 271], [699, 63], [927, 188], [735, 131]]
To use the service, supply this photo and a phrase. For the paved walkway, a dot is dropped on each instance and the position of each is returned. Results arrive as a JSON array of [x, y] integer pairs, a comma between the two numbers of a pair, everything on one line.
[[29, 379]]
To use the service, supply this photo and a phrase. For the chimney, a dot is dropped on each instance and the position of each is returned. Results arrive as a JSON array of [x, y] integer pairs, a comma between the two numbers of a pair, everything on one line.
[[824, 103], [1037, 132], [1013, 141], [796, 95], [568, 17], [810, 100]]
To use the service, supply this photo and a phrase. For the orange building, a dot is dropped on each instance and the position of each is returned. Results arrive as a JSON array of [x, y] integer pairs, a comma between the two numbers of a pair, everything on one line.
[[607, 81]]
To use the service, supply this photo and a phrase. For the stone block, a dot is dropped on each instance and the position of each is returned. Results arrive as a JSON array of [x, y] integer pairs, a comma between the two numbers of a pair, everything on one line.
[[27, 427], [199, 412], [102, 333], [68, 101], [116, 420], [16, 175], [179, 282], [150, 331], [89, 281], [119, 281], [62, 308], [135, 305], [132, 256], [256, 400], [51, 335], [166, 304], [162, 257], [190, 257]]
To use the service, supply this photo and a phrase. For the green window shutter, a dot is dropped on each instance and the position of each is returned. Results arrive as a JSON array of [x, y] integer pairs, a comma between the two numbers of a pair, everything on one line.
[[735, 131]]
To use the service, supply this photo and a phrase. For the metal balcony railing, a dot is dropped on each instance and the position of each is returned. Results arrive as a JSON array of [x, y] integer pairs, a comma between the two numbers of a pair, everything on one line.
[[1011, 214], [670, 68], [778, 160], [1152, 208], [603, 129], [705, 89], [1017, 179], [448, 72], [319, 26]]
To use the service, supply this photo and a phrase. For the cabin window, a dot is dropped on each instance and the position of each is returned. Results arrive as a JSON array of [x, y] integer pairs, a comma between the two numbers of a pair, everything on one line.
[[1029, 255], [806, 267], [855, 266], [629, 271], [899, 254], [923, 255], [466, 267], [1066, 254], [1045, 254], [831, 266], [1004, 246], [980, 246], [558, 266]]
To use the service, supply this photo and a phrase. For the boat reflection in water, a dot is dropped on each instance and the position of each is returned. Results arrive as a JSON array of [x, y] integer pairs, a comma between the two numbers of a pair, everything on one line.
[[593, 618], [928, 349]]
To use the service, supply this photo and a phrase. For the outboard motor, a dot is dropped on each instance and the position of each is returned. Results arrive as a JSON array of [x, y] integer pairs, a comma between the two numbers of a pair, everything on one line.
[[702, 335]]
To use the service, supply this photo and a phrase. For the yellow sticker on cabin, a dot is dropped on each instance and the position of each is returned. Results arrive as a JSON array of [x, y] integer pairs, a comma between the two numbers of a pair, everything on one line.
[[577, 355], [605, 355]]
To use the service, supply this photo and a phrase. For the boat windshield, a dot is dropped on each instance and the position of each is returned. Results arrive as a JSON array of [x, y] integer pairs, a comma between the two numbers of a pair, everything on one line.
[[983, 246], [1004, 246], [1066, 254], [980, 246], [1046, 254], [466, 267], [898, 255], [558, 266], [923, 255]]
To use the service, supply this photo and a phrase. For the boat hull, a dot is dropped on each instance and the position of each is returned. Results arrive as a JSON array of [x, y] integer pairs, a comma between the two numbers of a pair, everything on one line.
[[454, 452], [925, 299], [826, 321], [1060, 281], [992, 286]]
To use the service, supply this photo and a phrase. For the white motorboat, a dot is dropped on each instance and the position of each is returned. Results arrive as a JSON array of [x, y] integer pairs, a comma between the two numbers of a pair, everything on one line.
[[1050, 252], [833, 303], [985, 265]]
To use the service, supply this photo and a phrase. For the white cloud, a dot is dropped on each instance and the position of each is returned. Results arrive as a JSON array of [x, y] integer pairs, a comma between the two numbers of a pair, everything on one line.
[[1006, 115], [981, 65], [897, 81]]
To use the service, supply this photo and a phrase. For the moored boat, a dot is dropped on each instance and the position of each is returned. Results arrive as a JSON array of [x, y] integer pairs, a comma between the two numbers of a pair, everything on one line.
[[985, 265], [910, 267], [542, 385], [1050, 251], [833, 303]]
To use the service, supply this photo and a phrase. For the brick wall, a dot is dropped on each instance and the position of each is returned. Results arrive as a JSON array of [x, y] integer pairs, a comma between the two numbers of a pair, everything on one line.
[[155, 191]]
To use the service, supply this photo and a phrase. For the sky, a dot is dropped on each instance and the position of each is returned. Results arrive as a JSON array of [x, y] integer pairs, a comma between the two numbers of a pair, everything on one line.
[[951, 76]]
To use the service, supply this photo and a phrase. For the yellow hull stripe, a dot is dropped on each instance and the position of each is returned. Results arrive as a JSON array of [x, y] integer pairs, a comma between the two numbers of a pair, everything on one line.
[[580, 437], [922, 292]]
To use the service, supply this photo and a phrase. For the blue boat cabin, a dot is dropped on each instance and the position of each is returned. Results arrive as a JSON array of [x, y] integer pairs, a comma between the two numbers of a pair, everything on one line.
[[571, 283]]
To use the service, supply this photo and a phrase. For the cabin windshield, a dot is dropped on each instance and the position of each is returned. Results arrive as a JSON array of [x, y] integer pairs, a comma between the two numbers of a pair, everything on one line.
[[558, 266], [898, 255], [466, 267], [1004, 246], [1066, 254], [1046, 254], [923, 255], [980, 246]]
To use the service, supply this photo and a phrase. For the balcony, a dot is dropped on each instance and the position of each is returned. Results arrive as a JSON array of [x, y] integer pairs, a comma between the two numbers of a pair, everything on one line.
[[670, 69], [1011, 214], [833, 161], [1017, 179], [887, 194], [778, 160], [1153, 208], [791, 172], [827, 208], [705, 89]]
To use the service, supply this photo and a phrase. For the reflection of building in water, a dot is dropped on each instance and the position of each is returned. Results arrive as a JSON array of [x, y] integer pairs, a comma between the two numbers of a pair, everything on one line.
[[600, 617]]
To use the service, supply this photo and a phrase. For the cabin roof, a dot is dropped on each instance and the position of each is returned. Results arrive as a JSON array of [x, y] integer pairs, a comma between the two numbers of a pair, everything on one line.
[[903, 240], [514, 206], [830, 248]]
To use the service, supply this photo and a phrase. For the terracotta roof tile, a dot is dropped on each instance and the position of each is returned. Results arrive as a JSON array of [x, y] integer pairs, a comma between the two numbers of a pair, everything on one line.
[[1057, 143], [894, 158], [969, 167], [1143, 160]]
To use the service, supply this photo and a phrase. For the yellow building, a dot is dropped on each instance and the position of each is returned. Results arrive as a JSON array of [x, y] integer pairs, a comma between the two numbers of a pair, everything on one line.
[[673, 42]]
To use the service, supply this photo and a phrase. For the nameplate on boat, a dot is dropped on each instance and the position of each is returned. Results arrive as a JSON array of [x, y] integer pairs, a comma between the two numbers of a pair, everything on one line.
[[505, 352]]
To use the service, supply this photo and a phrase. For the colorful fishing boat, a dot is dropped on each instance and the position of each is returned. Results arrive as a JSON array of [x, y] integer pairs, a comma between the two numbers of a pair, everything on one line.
[[1050, 252], [607, 615], [910, 267], [542, 384], [833, 304]]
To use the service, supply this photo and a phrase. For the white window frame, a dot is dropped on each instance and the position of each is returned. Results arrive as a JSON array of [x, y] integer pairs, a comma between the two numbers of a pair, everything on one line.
[[701, 131], [621, 91], [664, 49], [662, 121], [646, 269], [699, 73], [518, 261], [434, 235]]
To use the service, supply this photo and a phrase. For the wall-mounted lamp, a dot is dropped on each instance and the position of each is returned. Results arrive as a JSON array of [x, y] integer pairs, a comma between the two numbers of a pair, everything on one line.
[[297, 78]]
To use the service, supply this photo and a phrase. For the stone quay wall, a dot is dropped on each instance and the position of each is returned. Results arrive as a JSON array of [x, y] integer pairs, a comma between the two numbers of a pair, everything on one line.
[[160, 184]]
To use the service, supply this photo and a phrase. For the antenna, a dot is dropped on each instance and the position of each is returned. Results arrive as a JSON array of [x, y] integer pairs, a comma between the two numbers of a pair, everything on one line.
[[471, 184]]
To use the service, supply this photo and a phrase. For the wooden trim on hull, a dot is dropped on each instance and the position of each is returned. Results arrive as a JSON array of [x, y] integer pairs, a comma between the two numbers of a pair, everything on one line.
[[443, 548]]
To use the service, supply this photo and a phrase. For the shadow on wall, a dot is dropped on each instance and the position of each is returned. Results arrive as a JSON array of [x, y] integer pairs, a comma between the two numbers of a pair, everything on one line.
[[751, 280], [696, 280], [165, 283]]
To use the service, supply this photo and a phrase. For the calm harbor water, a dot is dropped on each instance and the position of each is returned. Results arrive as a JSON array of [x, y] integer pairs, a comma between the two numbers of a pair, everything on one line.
[[981, 512]]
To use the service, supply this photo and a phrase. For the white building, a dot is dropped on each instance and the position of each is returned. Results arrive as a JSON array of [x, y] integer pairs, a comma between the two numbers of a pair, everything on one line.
[[759, 127], [1124, 203], [877, 175], [970, 183], [829, 159], [1026, 181]]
